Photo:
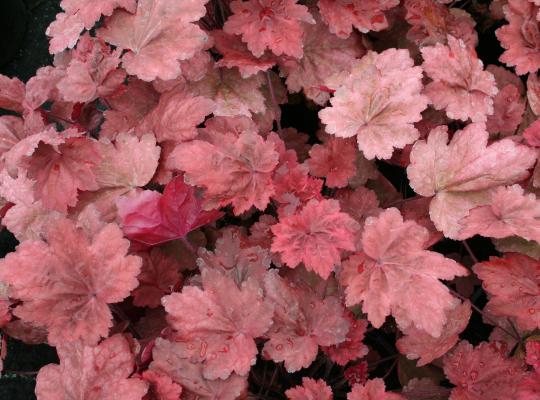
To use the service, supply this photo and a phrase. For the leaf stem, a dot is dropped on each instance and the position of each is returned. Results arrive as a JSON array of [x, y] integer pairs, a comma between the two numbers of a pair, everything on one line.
[[274, 101]]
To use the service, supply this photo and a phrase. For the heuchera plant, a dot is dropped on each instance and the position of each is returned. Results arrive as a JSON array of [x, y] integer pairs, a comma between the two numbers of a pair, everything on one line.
[[184, 234]]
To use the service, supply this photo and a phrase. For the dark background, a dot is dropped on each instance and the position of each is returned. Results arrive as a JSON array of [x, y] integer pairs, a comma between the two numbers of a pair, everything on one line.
[[23, 49]]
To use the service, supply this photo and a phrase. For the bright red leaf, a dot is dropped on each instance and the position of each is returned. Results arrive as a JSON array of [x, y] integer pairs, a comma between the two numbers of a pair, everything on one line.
[[152, 218]]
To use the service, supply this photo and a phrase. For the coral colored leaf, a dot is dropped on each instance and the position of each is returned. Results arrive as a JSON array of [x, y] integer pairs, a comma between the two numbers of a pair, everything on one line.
[[128, 109], [265, 24], [311, 389], [508, 106], [92, 72], [177, 115], [235, 258], [417, 344], [157, 36], [373, 389], [378, 102], [482, 372], [511, 212], [315, 236], [394, 274], [69, 280], [532, 134], [324, 55], [459, 83], [174, 359], [61, 165], [334, 160], [520, 38], [431, 23], [161, 387], [302, 322], [533, 93], [12, 93], [353, 347], [152, 218], [461, 174], [342, 16], [92, 373], [532, 358], [232, 168], [220, 322], [79, 14], [236, 54], [512, 281], [232, 94]]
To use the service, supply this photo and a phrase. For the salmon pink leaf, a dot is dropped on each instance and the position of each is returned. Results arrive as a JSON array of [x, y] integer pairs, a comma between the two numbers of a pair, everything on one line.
[[174, 358], [92, 373], [417, 344], [233, 169], [220, 322], [70, 279], [342, 16], [373, 389], [302, 322], [512, 282], [311, 389], [269, 24]]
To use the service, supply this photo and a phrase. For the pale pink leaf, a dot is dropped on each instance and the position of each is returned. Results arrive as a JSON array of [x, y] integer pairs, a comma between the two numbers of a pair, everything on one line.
[[394, 274], [232, 94], [177, 115], [461, 174], [378, 102], [12, 93], [157, 36], [128, 162], [162, 387], [511, 212]]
